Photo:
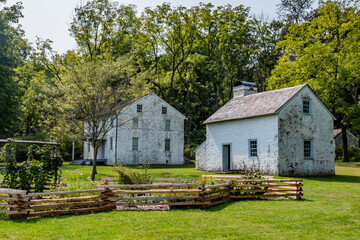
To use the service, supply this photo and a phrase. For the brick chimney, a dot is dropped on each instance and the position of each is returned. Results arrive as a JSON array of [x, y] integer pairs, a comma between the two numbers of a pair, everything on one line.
[[243, 88]]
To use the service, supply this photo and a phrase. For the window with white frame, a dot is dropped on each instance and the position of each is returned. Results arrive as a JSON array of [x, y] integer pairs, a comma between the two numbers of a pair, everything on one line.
[[135, 123], [167, 144], [111, 143], [135, 144], [139, 108], [164, 110], [308, 149], [253, 148], [167, 125], [306, 106]]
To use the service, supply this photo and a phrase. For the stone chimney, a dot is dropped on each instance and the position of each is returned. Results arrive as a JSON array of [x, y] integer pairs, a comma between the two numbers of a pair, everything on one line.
[[243, 88]]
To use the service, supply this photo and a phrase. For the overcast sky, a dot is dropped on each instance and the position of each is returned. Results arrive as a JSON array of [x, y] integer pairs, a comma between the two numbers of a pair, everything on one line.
[[50, 19]]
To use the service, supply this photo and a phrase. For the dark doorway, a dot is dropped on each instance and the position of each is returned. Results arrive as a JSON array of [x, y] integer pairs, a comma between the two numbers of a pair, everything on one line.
[[226, 158]]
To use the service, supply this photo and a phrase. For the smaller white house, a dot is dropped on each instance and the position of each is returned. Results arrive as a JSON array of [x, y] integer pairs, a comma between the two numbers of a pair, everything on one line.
[[147, 129], [286, 132]]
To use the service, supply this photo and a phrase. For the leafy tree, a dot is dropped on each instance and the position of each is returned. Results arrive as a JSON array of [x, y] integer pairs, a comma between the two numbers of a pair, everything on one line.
[[92, 92], [101, 26], [324, 53], [13, 49], [173, 31], [266, 55], [294, 11]]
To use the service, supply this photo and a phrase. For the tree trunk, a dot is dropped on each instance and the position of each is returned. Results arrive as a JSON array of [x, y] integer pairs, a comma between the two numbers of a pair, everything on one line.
[[94, 172], [344, 144]]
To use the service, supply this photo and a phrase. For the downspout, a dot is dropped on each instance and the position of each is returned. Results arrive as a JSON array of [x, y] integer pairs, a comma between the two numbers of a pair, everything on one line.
[[116, 139]]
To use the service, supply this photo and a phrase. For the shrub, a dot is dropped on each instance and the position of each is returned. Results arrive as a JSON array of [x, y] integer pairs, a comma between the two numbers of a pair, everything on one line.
[[338, 153], [129, 176], [189, 152], [40, 167], [253, 174], [354, 153]]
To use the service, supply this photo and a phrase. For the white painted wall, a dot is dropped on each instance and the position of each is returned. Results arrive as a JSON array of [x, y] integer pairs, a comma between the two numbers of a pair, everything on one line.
[[294, 127], [151, 133], [200, 156], [237, 133]]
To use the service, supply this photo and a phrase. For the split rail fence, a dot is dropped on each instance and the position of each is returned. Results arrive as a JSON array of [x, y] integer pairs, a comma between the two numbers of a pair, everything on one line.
[[19, 204]]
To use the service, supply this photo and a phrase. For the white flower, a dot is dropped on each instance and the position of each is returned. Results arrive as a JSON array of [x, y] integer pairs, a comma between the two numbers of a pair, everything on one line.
[[81, 174]]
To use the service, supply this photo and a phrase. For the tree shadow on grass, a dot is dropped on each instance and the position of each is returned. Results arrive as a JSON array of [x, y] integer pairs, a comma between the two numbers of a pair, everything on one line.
[[37, 219], [336, 178], [219, 207]]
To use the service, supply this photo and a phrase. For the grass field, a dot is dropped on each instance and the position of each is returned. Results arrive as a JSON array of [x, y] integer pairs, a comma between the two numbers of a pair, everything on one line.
[[330, 210]]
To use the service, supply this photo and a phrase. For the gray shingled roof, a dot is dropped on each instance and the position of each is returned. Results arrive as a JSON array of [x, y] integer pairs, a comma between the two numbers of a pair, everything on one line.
[[264, 103], [337, 132]]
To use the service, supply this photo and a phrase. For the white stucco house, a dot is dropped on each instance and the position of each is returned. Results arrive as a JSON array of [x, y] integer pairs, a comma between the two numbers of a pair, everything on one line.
[[147, 129], [286, 132]]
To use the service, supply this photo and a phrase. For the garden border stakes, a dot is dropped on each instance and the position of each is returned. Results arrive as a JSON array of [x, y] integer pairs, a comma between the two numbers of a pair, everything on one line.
[[19, 204]]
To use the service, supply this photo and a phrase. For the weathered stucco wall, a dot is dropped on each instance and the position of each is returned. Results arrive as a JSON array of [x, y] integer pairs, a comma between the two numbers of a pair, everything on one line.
[[200, 156], [295, 127], [237, 134], [150, 132]]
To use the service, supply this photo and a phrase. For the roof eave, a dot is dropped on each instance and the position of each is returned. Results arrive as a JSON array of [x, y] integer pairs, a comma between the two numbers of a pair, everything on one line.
[[305, 85], [236, 119]]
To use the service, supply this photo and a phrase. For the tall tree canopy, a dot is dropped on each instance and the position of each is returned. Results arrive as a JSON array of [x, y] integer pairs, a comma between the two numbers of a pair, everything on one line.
[[104, 27], [325, 54], [13, 49], [294, 11]]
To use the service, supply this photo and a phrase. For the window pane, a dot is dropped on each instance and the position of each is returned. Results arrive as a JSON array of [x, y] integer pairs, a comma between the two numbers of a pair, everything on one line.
[[167, 125], [167, 144], [139, 108], [306, 106], [135, 144], [164, 110], [253, 148], [307, 149]]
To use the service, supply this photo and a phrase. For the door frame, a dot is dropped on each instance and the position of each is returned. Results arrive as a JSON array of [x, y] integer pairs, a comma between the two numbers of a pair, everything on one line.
[[230, 156]]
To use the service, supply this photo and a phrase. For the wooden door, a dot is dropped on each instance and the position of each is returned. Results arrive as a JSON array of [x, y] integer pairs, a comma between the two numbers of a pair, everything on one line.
[[226, 158]]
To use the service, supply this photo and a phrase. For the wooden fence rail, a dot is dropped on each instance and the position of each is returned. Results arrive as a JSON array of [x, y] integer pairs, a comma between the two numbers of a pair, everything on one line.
[[19, 204]]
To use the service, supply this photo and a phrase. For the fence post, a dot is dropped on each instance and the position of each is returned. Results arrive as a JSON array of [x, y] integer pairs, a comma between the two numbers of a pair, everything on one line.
[[107, 197], [203, 195], [298, 190], [229, 188], [20, 203]]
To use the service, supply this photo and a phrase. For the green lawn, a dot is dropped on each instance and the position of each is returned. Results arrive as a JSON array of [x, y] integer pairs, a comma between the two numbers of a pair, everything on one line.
[[330, 210], [83, 173]]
